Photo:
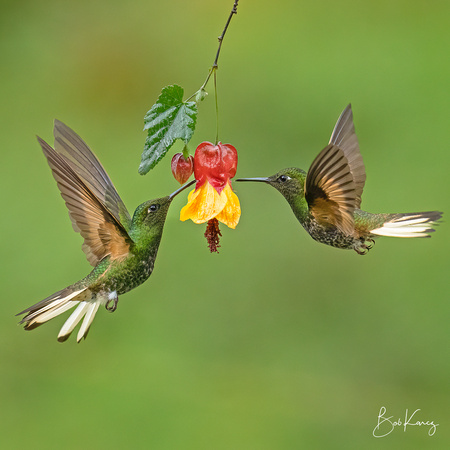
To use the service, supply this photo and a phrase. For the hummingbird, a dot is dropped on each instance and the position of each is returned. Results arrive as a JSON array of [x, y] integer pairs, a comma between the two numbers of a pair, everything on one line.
[[326, 199], [121, 249]]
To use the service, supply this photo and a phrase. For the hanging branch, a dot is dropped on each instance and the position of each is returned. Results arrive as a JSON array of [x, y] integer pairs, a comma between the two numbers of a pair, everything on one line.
[[215, 65], [172, 118]]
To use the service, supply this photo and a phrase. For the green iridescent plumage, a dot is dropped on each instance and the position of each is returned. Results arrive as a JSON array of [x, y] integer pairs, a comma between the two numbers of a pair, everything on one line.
[[121, 249], [326, 200]]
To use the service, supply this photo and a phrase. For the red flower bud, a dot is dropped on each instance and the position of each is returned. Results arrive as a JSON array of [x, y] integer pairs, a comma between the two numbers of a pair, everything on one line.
[[182, 168], [215, 164]]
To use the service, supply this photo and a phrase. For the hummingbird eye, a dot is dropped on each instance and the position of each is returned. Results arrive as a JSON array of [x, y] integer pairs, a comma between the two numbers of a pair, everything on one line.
[[283, 178], [152, 208]]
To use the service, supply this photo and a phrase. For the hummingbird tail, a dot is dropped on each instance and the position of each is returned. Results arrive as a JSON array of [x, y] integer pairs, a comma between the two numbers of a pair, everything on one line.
[[409, 225], [61, 302]]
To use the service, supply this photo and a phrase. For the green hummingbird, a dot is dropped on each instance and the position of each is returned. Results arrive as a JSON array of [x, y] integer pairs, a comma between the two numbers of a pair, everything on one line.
[[121, 249], [326, 200]]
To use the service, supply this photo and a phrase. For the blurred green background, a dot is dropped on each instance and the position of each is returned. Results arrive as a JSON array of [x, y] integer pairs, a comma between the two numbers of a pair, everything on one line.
[[278, 342]]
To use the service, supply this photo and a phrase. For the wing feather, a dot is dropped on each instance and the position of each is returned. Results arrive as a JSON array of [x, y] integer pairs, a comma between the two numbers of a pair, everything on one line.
[[84, 163], [330, 189], [104, 235], [345, 138]]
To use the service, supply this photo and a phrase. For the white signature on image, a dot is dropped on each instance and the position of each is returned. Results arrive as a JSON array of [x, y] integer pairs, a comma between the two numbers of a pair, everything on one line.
[[386, 425]]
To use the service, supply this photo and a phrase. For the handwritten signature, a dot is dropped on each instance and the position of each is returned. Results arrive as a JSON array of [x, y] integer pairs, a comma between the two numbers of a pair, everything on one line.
[[386, 425]]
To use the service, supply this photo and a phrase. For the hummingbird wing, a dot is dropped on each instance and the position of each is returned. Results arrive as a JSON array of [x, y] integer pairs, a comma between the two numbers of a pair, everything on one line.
[[344, 137], [330, 189], [91, 172], [104, 235]]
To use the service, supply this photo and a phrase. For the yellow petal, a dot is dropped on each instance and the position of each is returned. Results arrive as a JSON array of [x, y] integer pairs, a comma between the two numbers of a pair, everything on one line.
[[231, 213], [203, 204]]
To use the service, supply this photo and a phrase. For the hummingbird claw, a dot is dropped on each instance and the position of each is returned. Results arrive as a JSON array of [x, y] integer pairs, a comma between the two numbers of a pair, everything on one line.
[[365, 246], [371, 243], [113, 307], [363, 250]]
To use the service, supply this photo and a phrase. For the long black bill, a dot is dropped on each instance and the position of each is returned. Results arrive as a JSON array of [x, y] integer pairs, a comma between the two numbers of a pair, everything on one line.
[[182, 188], [264, 180]]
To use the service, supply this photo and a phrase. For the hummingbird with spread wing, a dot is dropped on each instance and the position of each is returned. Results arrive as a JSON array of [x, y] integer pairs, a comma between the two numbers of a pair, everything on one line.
[[121, 249], [326, 200]]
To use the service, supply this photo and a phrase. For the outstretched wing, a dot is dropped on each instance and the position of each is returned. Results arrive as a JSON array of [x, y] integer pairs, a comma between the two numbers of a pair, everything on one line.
[[89, 169], [344, 137], [330, 189], [87, 197]]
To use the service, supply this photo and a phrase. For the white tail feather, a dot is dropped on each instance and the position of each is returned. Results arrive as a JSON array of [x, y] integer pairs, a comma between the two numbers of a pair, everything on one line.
[[54, 303], [408, 225], [45, 308], [51, 307], [47, 315], [87, 310], [88, 318], [61, 302], [72, 321]]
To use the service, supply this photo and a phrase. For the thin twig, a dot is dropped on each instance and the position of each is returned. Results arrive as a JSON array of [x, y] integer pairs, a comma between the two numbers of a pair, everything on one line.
[[233, 11], [217, 107], [220, 38]]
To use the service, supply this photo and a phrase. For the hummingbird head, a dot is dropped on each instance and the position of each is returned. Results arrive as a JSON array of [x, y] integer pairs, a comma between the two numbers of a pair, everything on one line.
[[151, 214], [289, 182]]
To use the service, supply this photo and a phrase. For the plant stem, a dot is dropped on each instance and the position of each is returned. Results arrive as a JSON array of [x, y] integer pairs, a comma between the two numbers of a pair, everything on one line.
[[217, 107], [233, 11], [186, 152], [215, 65]]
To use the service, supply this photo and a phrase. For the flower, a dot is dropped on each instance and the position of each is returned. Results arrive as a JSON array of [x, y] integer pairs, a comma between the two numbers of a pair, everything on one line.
[[213, 197]]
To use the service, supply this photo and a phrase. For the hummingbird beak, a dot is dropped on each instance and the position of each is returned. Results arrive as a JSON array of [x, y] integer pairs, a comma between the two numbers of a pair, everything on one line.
[[182, 188], [263, 180]]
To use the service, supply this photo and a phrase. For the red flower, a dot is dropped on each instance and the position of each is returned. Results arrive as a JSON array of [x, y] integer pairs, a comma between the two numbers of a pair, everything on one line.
[[213, 197]]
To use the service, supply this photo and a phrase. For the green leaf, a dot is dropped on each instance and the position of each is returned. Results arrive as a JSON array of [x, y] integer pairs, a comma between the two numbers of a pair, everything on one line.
[[169, 119]]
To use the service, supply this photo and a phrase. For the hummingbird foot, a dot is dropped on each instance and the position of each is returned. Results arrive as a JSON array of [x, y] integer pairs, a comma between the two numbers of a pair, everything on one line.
[[364, 247], [371, 243], [114, 299]]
